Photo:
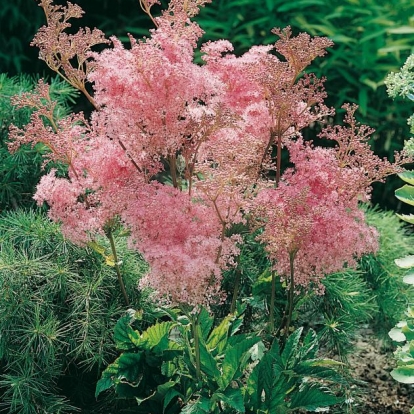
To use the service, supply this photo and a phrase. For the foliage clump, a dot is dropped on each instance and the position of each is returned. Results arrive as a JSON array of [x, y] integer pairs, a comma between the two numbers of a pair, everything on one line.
[[58, 303], [20, 172]]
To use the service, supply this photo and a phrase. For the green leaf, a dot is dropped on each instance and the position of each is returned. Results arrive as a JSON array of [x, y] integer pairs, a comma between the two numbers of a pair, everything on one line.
[[258, 351], [401, 30], [205, 321], [264, 381], [396, 335], [208, 363], [157, 336], [409, 279], [169, 396], [310, 346], [235, 360], [407, 176], [218, 337], [102, 385], [406, 262], [263, 283], [233, 397], [194, 408], [320, 369], [299, 5], [311, 398], [406, 194], [129, 367], [404, 374], [409, 218], [291, 347], [270, 4], [125, 337]]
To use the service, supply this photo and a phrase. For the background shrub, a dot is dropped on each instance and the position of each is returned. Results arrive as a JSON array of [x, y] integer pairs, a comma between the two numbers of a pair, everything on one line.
[[59, 304], [20, 172]]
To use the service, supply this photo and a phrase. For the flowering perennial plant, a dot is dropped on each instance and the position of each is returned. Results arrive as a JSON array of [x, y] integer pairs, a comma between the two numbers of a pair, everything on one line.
[[180, 153]]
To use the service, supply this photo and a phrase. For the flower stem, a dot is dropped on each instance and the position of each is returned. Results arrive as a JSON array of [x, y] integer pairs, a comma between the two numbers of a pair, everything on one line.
[[117, 269], [271, 326], [291, 293], [194, 326], [235, 291]]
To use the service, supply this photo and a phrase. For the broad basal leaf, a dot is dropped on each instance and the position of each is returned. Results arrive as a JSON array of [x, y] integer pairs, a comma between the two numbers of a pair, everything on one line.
[[234, 361], [157, 336], [218, 337], [291, 347], [311, 398], [125, 337]]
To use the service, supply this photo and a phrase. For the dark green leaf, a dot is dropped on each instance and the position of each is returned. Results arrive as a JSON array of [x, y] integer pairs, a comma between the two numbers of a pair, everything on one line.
[[291, 348], [311, 398], [125, 337]]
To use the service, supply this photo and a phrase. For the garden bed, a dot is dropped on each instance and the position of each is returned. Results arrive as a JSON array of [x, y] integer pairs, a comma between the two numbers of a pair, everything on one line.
[[371, 363]]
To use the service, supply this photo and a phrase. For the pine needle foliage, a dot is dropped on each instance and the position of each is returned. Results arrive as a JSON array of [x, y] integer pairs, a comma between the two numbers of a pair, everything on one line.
[[59, 303], [383, 276], [21, 171]]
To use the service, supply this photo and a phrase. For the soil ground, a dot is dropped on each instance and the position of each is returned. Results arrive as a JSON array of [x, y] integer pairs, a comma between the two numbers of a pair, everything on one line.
[[371, 364]]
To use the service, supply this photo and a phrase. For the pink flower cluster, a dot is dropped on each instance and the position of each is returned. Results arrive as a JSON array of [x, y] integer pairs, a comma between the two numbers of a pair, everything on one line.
[[180, 152]]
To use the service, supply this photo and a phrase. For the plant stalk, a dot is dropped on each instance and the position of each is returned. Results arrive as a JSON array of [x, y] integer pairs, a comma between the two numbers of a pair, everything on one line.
[[271, 326], [117, 269], [235, 291], [291, 293], [194, 325]]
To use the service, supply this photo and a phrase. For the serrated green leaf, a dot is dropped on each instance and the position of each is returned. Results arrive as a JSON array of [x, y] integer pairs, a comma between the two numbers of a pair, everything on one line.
[[125, 337], [291, 347], [310, 346], [208, 363], [406, 194], [406, 262], [129, 367], [404, 374], [266, 380], [218, 338], [169, 396], [233, 397], [205, 322], [320, 369], [311, 398], [157, 336], [235, 360], [102, 385]]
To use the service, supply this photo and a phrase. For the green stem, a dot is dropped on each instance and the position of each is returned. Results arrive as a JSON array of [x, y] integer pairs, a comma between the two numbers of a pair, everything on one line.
[[278, 158], [271, 326], [291, 293], [235, 291], [117, 269], [194, 326]]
